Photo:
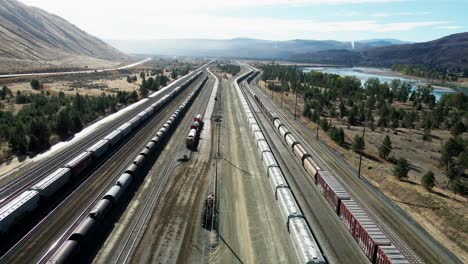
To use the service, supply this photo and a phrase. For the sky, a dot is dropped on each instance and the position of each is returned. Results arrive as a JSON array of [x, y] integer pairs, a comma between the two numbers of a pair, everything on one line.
[[344, 20]]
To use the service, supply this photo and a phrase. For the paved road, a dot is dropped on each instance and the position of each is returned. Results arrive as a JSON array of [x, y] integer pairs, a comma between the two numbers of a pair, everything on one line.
[[72, 72]]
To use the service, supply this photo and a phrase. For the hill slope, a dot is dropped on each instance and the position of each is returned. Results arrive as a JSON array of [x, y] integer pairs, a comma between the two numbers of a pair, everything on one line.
[[447, 52], [29, 34]]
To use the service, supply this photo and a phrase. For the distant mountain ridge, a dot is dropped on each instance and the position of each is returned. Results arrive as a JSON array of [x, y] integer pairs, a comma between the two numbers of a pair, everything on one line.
[[32, 35], [450, 52], [240, 47]]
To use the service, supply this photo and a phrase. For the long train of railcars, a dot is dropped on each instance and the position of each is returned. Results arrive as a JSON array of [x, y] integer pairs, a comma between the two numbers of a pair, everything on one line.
[[29, 200], [97, 216], [373, 242], [302, 237]]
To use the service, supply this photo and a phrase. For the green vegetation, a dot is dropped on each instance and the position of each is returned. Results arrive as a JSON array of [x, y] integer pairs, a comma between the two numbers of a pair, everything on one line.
[[131, 79], [30, 130], [386, 148], [230, 68], [359, 145], [35, 84], [430, 72], [428, 180], [401, 169]]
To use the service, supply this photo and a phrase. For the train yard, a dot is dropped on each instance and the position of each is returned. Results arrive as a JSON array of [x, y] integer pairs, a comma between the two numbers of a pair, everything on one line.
[[205, 171]]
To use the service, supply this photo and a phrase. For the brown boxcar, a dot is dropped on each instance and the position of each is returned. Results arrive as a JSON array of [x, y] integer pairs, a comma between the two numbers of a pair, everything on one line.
[[330, 187], [363, 229]]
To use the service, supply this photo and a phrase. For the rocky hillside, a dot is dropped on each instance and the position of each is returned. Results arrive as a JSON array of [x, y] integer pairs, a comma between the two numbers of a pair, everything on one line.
[[31, 35]]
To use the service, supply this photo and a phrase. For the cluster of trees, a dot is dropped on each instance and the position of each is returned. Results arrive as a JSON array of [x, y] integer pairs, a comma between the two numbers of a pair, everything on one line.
[[230, 68], [430, 72], [374, 104], [176, 72], [131, 79], [29, 131], [5, 92], [152, 84]]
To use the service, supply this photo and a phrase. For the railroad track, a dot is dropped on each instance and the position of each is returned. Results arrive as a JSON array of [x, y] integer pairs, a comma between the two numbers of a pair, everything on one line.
[[414, 242], [158, 186], [334, 239], [41, 169], [67, 215]]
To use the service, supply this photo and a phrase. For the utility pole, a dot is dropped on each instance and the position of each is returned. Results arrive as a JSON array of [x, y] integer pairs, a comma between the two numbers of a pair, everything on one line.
[[360, 152], [282, 97], [272, 99], [295, 106], [318, 127]]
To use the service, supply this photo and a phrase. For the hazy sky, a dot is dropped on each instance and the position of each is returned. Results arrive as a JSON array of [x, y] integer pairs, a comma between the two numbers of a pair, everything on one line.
[[413, 20]]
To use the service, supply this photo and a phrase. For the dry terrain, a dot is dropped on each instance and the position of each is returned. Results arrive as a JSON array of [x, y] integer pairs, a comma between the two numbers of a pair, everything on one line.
[[442, 213]]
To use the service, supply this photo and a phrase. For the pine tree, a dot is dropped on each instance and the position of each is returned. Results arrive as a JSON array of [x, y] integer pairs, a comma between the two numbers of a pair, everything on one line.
[[18, 140], [428, 180], [401, 169], [359, 145], [386, 148]]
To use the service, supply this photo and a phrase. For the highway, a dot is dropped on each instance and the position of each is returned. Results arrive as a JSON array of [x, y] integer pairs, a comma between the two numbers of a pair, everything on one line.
[[72, 72], [417, 245], [45, 237]]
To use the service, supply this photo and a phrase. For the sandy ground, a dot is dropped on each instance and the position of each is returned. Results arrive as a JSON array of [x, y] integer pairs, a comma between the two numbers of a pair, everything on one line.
[[441, 213], [250, 228], [107, 86]]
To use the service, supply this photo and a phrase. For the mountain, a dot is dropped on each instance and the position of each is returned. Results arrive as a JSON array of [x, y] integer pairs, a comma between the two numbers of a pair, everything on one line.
[[238, 47], [31, 36], [447, 52]]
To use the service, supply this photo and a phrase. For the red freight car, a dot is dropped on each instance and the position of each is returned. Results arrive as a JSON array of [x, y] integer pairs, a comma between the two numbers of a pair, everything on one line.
[[79, 163], [390, 255], [363, 229], [194, 134], [330, 187]]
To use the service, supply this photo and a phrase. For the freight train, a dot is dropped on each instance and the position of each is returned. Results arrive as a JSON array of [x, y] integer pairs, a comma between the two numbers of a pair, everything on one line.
[[372, 241], [302, 237], [194, 135], [28, 201], [97, 216]]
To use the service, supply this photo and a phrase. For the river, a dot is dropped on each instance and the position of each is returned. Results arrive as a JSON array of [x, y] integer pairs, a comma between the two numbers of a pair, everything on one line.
[[384, 75]]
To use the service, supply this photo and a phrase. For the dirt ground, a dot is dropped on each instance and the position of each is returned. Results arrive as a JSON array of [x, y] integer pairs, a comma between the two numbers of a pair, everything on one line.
[[107, 85], [442, 213]]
